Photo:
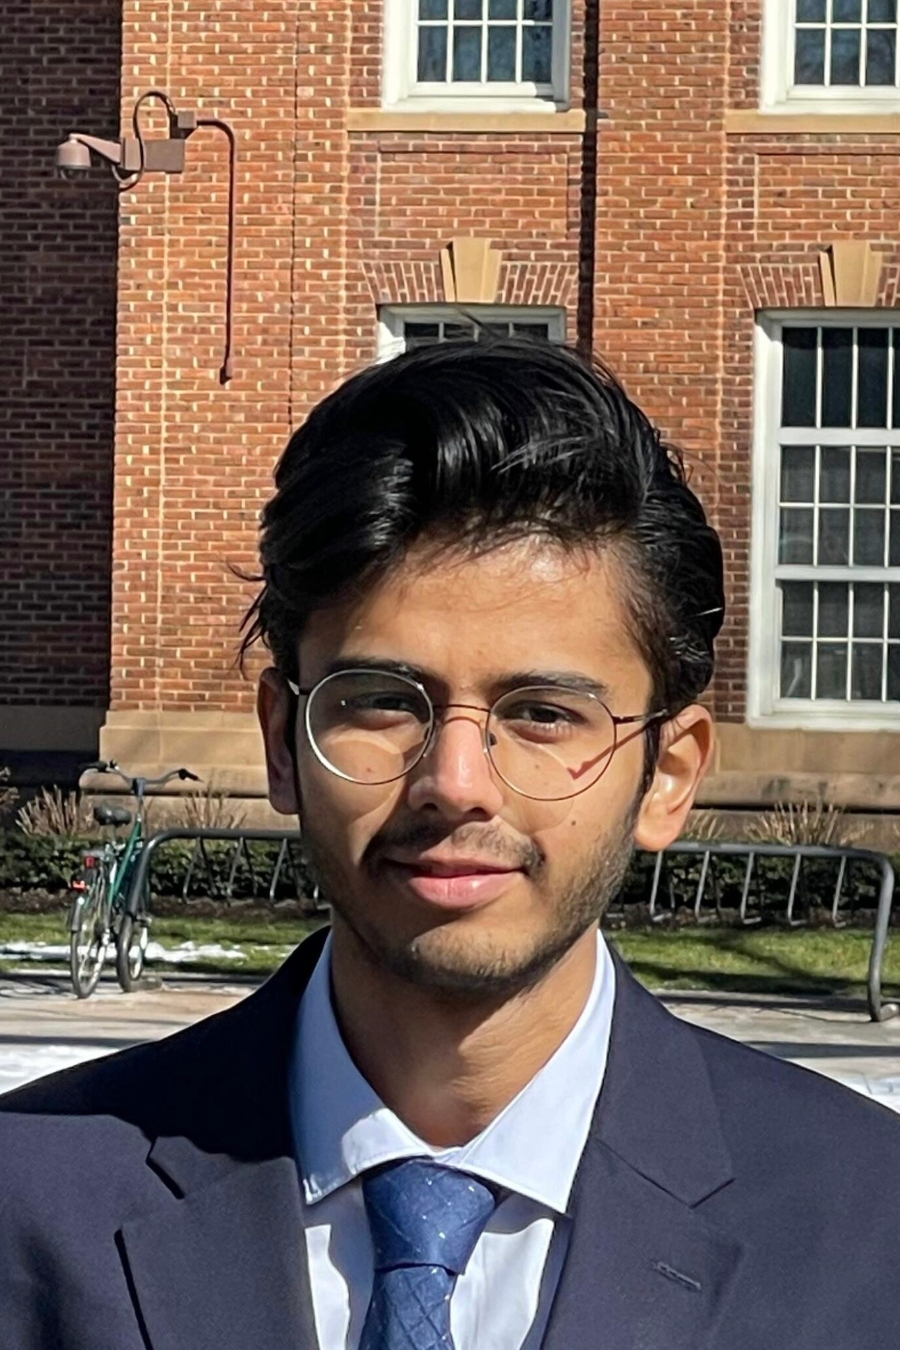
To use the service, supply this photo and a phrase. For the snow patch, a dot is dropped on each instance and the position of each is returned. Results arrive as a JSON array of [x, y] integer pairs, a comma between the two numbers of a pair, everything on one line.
[[180, 955]]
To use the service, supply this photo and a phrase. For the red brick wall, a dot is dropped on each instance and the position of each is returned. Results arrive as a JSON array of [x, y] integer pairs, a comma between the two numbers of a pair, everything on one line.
[[59, 69], [331, 225], [663, 254]]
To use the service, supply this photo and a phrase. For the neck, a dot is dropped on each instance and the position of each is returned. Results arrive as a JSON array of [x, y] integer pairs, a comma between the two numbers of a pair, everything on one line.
[[446, 1068]]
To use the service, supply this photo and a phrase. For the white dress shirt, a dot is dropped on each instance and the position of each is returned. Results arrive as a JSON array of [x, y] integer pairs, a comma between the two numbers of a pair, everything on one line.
[[531, 1150]]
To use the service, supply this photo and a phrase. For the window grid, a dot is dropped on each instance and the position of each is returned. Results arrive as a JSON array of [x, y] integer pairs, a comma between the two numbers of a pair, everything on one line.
[[821, 663], [846, 44], [485, 43], [434, 331]]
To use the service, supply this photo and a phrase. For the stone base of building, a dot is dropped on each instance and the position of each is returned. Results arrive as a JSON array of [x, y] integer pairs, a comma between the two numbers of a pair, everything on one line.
[[752, 767]]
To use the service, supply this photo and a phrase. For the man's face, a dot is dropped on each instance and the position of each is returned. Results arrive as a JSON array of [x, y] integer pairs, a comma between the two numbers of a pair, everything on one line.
[[466, 626]]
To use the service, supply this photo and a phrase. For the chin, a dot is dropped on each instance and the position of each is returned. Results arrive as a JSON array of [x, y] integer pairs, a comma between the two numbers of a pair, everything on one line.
[[454, 960]]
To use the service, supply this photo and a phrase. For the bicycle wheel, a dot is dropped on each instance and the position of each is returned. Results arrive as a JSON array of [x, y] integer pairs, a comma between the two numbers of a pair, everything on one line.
[[131, 946], [89, 936]]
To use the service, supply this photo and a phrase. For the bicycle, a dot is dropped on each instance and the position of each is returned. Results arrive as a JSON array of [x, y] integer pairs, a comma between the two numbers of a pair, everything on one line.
[[104, 907]]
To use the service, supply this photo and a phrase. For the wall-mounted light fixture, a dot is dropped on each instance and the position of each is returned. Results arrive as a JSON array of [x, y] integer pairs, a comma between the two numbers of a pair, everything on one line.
[[131, 157]]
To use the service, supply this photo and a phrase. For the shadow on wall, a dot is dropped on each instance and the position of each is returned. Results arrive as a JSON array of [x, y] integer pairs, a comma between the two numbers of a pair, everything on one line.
[[60, 66]]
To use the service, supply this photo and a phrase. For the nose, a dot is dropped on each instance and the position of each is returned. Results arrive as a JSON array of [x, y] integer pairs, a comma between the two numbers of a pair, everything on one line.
[[455, 776]]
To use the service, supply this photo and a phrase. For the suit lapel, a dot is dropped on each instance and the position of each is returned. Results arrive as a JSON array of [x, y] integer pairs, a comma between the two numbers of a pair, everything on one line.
[[225, 1268], [643, 1267], [220, 1263]]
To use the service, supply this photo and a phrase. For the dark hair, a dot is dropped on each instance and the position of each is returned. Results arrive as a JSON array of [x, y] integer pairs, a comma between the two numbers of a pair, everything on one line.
[[474, 444]]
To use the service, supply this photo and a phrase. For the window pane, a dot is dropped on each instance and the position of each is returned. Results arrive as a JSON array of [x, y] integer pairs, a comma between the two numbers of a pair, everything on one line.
[[831, 681], [845, 47], [432, 9], [467, 54], [533, 330], [797, 608], [455, 332], [811, 11], [834, 609], [798, 471], [893, 689], [834, 538], [882, 11], [796, 670], [798, 402], [866, 671], [432, 54], [894, 612], [868, 609], [834, 474], [502, 53], [868, 538], [895, 475], [501, 9], [847, 11], [537, 55], [796, 538], [421, 334], [872, 378], [871, 476], [880, 53], [809, 61], [541, 11], [894, 551], [468, 9], [837, 376]]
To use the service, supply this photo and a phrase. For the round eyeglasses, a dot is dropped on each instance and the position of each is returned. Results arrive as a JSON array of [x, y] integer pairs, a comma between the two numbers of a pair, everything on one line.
[[373, 727]]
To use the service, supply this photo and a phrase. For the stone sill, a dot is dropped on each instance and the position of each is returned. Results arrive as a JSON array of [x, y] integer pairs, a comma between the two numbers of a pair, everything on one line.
[[754, 123], [510, 123]]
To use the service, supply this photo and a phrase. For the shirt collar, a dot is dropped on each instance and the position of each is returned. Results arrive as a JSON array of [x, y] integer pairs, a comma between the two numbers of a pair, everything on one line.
[[342, 1128]]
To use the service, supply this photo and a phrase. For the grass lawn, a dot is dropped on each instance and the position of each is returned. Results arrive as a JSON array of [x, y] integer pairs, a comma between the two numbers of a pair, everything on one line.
[[749, 961]]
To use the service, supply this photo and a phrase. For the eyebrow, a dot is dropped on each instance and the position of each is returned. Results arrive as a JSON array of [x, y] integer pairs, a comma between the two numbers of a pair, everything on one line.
[[574, 680]]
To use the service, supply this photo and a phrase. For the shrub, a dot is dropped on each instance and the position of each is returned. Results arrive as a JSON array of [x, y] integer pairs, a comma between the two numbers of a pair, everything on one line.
[[61, 815], [8, 795], [807, 822]]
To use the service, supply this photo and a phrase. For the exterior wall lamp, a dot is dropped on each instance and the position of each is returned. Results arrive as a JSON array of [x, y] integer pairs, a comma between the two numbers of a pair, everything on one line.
[[132, 156]]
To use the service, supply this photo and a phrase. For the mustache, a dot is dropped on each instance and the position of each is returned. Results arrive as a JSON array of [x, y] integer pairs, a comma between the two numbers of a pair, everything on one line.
[[488, 842]]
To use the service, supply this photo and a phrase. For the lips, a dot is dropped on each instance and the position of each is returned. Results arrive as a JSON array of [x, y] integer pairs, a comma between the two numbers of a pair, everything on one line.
[[458, 883]]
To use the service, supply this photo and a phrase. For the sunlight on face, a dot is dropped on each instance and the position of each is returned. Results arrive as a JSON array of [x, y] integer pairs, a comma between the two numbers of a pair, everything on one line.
[[466, 626]]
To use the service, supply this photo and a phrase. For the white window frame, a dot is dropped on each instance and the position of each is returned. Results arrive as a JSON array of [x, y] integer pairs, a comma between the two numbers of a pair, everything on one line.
[[778, 93], [764, 707], [401, 91], [392, 318]]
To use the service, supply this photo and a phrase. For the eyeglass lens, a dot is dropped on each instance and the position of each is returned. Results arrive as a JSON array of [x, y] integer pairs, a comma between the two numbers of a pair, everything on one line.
[[547, 743]]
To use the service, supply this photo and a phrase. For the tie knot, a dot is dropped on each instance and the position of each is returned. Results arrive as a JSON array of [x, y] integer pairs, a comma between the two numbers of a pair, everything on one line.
[[422, 1214]]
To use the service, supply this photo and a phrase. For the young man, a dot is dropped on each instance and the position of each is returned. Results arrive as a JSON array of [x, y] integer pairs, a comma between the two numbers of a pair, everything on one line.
[[456, 1120]]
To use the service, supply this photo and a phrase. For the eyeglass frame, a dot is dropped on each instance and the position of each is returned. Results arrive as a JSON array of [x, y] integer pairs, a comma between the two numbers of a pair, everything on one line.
[[442, 708]]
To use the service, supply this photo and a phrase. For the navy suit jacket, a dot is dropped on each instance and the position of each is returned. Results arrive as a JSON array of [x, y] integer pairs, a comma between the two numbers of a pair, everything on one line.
[[724, 1199]]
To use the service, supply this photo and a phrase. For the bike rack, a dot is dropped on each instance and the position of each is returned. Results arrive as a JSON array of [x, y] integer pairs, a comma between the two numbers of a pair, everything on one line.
[[879, 1011], [288, 840]]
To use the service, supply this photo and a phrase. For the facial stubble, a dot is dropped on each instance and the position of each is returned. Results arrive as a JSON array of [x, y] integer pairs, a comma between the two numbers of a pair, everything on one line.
[[457, 969]]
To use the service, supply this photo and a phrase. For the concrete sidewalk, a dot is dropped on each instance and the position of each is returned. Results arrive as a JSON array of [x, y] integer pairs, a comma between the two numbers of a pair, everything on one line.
[[44, 1028]]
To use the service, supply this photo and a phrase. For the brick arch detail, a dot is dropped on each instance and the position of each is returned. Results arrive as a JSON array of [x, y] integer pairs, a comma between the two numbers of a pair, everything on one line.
[[522, 282], [779, 283]]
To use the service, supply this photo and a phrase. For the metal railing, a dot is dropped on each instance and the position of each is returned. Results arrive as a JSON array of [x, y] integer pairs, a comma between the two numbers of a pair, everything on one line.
[[879, 1011], [289, 841]]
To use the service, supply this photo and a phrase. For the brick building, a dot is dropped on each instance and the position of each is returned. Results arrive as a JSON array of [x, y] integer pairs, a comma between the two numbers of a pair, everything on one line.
[[703, 192]]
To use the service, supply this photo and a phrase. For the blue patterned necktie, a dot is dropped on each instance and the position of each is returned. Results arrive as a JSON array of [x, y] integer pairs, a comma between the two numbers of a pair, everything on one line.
[[425, 1221]]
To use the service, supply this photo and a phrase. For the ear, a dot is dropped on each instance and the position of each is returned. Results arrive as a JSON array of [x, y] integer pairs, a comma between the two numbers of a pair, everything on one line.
[[686, 750], [274, 702]]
